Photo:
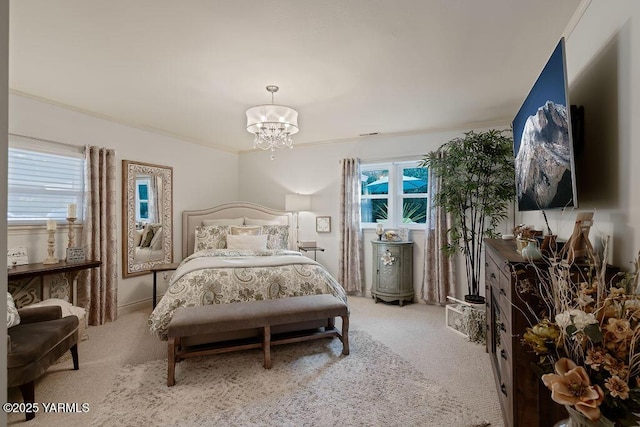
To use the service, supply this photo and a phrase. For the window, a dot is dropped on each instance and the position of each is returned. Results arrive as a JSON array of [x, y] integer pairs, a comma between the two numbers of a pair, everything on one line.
[[43, 179], [394, 194], [142, 205]]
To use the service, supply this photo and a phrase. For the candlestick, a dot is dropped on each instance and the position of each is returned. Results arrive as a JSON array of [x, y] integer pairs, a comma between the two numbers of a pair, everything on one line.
[[51, 259], [72, 234], [71, 210], [51, 225]]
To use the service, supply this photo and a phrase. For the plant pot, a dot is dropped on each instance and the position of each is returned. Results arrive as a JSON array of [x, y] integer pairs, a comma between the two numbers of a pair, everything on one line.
[[474, 299], [531, 251]]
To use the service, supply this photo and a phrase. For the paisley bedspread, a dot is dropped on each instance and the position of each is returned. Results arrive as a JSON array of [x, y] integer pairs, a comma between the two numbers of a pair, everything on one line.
[[221, 276]]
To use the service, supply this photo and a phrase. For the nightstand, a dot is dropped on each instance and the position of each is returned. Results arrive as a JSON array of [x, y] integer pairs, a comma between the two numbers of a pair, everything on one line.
[[155, 269], [392, 271], [313, 249]]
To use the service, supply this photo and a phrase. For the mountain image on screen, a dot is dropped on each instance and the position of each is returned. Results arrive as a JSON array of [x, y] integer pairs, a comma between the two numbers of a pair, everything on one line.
[[543, 162]]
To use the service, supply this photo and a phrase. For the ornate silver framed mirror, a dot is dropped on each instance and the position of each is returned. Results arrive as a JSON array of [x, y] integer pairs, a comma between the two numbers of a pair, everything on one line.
[[147, 216]]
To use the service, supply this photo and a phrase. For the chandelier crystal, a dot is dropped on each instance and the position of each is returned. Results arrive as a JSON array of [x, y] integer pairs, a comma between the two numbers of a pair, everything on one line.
[[272, 124]]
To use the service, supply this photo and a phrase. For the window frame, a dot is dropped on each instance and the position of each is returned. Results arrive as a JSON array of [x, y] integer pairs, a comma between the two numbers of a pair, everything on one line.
[[395, 194]]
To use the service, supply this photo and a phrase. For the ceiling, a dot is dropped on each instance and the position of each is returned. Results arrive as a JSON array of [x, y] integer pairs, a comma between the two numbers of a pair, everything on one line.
[[191, 68]]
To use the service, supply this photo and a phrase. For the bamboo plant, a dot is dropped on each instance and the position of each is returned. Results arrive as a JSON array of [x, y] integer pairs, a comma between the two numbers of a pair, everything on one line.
[[478, 185]]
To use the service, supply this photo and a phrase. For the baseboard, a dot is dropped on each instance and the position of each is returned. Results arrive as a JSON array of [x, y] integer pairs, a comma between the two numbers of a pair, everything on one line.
[[135, 306]]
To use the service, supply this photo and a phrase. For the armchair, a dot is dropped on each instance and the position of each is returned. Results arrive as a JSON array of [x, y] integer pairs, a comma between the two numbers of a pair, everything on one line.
[[42, 337]]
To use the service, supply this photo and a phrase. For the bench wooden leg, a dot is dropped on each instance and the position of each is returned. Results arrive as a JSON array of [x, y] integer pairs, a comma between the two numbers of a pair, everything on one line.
[[331, 323], [345, 335], [171, 360], [266, 346]]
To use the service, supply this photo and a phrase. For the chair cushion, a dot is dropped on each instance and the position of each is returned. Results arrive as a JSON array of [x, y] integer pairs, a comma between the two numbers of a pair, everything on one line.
[[31, 341]]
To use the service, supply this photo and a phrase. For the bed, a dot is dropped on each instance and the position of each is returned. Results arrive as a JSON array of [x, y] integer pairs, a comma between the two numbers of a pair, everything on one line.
[[239, 252]]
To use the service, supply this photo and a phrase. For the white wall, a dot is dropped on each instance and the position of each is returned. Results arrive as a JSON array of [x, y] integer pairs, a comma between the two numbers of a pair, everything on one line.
[[4, 112], [603, 63], [316, 170], [202, 176], [602, 60], [603, 55]]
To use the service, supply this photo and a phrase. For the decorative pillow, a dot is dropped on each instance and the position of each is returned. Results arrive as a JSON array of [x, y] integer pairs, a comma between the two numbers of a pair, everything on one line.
[[246, 231], [234, 221], [211, 237], [156, 242], [278, 236], [148, 233], [147, 237], [251, 221], [13, 318], [247, 241]]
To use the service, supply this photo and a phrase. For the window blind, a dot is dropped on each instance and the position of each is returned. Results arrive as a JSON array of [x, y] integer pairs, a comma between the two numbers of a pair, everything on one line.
[[42, 184]]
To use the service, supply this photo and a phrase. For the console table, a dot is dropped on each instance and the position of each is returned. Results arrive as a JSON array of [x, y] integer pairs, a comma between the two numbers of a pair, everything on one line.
[[39, 270], [314, 249]]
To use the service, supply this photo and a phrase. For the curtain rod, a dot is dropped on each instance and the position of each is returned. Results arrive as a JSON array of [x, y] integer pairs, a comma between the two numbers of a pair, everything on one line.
[[390, 159]]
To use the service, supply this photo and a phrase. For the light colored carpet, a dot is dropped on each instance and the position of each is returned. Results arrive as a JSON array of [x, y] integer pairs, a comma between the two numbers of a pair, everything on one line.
[[415, 332], [310, 384]]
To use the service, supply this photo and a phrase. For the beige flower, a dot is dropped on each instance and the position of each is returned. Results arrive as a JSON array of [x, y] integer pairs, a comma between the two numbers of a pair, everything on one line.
[[617, 387], [595, 358], [615, 367], [572, 386], [619, 328]]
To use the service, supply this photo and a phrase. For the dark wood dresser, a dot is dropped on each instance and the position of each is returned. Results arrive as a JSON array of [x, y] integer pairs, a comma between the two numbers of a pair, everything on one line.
[[524, 400]]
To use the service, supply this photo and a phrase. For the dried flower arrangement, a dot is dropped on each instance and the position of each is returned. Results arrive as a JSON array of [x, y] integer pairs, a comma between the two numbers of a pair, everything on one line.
[[525, 232], [590, 335]]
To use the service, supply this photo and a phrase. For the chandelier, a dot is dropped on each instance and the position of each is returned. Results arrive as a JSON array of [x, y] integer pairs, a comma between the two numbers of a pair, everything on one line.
[[272, 124]]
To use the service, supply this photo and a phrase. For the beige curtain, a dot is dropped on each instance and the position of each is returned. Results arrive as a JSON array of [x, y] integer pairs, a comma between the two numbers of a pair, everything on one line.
[[439, 278], [350, 262], [98, 288]]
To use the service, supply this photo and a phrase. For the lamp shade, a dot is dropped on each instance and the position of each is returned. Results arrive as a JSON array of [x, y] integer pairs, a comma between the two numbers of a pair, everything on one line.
[[262, 117], [297, 202]]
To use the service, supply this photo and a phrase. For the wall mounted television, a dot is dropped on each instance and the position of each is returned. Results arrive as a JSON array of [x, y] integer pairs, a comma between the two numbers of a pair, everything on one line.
[[543, 141]]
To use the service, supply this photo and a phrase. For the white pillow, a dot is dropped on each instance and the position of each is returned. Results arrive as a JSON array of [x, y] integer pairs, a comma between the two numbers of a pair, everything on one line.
[[13, 318], [137, 238], [234, 221], [247, 241], [251, 221]]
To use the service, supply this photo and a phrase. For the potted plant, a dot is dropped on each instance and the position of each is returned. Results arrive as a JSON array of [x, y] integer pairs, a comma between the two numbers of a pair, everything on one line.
[[478, 185]]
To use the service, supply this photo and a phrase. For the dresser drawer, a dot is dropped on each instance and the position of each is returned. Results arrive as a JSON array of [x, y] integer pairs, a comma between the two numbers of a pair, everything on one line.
[[505, 394], [498, 273], [517, 385], [504, 331]]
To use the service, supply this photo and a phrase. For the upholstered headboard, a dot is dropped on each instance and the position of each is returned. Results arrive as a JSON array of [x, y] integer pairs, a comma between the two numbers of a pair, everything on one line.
[[191, 219]]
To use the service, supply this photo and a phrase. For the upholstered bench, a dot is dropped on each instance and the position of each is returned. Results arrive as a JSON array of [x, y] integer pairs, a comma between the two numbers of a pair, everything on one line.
[[207, 319]]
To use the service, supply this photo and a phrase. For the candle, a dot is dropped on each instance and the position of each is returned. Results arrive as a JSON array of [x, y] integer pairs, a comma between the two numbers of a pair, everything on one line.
[[51, 225], [71, 211]]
